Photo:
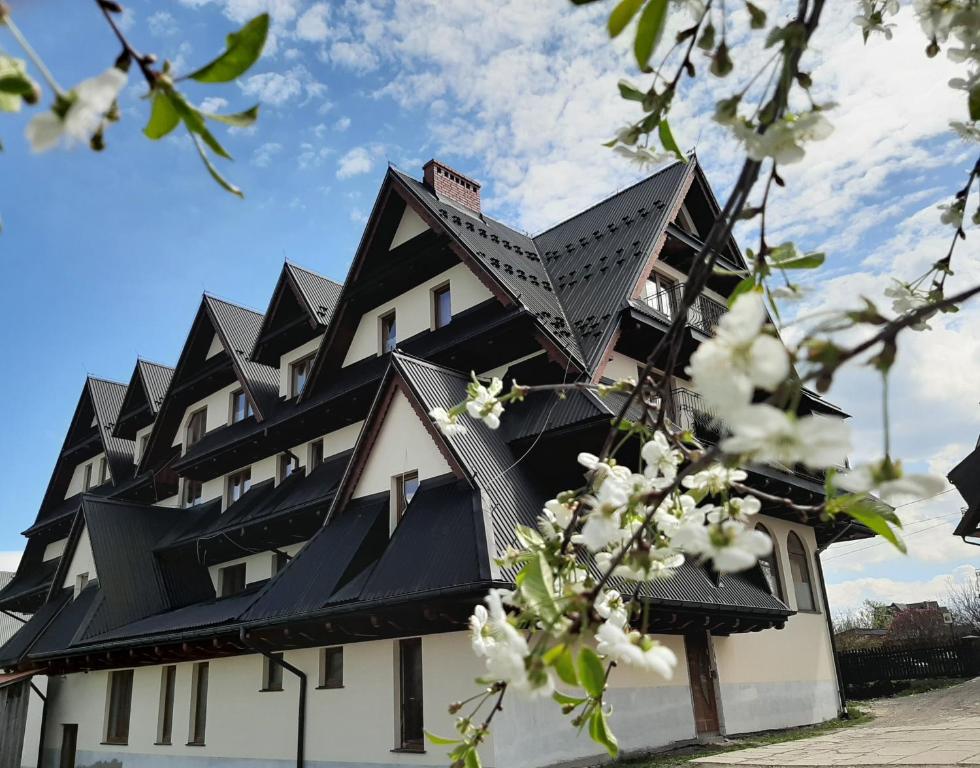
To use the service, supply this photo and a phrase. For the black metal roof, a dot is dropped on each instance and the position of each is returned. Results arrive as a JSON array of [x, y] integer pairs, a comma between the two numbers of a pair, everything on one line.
[[144, 395], [21, 643], [32, 580], [70, 623], [966, 477], [107, 399], [320, 293]]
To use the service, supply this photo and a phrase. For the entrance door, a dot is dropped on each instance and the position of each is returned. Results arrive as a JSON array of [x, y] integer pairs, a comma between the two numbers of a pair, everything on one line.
[[69, 740], [702, 674]]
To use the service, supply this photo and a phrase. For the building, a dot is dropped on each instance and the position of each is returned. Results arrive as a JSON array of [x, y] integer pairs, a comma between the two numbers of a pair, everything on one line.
[[966, 477], [267, 554]]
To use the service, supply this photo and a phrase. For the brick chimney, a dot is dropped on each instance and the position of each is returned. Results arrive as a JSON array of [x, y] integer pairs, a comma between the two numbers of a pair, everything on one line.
[[451, 185]]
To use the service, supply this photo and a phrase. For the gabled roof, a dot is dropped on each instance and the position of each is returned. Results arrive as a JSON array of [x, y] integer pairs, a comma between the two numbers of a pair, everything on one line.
[[299, 294], [966, 477], [147, 387], [237, 329], [596, 258], [107, 398]]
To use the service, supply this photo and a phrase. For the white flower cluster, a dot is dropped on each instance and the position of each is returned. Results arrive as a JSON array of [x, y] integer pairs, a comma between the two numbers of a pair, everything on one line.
[[745, 355], [79, 114], [482, 402], [616, 641], [907, 299], [783, 141], [502, 645]]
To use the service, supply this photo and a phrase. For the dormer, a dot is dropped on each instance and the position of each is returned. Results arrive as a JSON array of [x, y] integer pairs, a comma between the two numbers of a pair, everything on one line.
[[147, 387], [215, 384], [300, 310]]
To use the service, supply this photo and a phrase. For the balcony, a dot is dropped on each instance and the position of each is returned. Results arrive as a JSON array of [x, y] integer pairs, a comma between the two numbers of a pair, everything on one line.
[[703, 314], [689, 412]]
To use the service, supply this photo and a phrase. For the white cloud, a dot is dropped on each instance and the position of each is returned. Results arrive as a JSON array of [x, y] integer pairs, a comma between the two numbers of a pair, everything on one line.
[[358, 216], [358, 57], [162, 24], [851, 594], [342, 124], [9, 561], [278, 88], [311, 156], [213, 104], [355, 162], [312, 25], [263, 155]]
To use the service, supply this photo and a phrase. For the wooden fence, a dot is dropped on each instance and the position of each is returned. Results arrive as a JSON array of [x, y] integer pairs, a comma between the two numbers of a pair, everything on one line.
[[960, 659]]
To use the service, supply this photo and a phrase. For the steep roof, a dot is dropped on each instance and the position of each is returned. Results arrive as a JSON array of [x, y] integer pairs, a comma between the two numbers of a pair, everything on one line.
[[144, 395], [320, 293], [107, 399], [596, 257]]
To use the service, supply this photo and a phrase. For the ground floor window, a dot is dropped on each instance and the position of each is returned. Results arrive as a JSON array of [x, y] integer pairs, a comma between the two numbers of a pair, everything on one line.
[[165, 724], [199, 704], [120, 705], [332, 667], [272, 672], [800, 568], [410, 693]]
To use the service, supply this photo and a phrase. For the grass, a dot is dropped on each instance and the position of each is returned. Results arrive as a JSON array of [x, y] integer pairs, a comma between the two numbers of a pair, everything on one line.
[[682, 756], [913, 687]]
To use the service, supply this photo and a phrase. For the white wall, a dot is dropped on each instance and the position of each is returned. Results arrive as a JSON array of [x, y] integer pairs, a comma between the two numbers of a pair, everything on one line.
[[258, 567], [82, 561], [413, 310], [54, 549], [353, 724], [219, 411], [137, 455], [411, 225], [77, 482], [619, 366], [779, 678]]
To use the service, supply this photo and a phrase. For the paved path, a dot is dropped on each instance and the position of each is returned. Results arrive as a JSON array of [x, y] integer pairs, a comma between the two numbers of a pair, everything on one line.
[[938, 728]]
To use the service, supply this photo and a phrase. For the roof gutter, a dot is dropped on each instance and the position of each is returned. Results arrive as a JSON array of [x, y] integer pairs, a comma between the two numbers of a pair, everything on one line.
[[301, 713]]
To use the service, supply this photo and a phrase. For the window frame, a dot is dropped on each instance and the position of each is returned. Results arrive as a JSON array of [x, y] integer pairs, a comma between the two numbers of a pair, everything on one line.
[[400, 499], [272, 677], [202, 414], [232, 479], [224, 589], [774, 578], [313, 461], [307, 362], [144, 443], [103, 470], [87, 479], [165, 712], [663, 284], [444, 289], [410, 742], [383, 319], [197, 728], [119, 707], [803, 559], [285, 461], [190, 483], [325, 682], [247, 412]]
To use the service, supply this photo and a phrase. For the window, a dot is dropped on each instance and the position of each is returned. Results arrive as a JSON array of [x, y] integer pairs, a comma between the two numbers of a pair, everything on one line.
[[199, 705], [272, 672], [81, 581], [389, 334], [241, 408], [410, 693], [193, 492], [442, 307], [770, 566], [288, 463], [405, 487], [299, 372], [120, 703], [316, 454], [661, 292], [332, 667], [196, 425], [238, 483], [144, 441], [102, 471], [88, 477], [800, 570], [231, 580], [165, 721], [279, 561]]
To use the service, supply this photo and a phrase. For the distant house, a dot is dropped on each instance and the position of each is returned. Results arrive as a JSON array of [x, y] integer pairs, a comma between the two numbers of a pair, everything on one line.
[[276, 516]]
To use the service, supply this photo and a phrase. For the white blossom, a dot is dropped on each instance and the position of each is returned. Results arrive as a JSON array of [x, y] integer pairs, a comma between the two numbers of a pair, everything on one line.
[[482, 402], [736, 508], [729, 545], [767, 434], [715, 479], [88, 103], [905, 299], [727, 369], [678, 510], [503, 647], [660, 459], [635, 649], [448, 423], [610, 606], [783, 140], [898, 488]]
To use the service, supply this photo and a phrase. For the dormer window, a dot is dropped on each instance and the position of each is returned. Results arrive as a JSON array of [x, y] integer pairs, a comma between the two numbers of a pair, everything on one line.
[[288, 464], [87, 483], [193, 492], [442, 307], [144, 441], [238, 483], [389, 335], [405, 487], [81, 581], [102, 470], [299, 372], [196, 425], [316, 454], [231, 580], [241, 408]]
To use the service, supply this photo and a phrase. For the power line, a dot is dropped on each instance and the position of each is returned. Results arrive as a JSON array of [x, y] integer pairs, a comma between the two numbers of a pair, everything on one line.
[[908, 536]]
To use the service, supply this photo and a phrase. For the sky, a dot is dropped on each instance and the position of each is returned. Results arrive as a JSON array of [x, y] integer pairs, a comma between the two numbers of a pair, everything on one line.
[[103, 257]]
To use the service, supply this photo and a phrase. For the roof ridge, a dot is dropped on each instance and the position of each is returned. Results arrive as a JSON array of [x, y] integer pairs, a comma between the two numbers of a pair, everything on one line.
[[294, 265], [91, 377], [398, 354], [144, 361], [604, 200], [211, 297]]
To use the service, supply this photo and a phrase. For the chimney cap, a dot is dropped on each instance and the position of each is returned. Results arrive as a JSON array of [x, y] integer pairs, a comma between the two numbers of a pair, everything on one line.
[[433, 163], [449, 184]]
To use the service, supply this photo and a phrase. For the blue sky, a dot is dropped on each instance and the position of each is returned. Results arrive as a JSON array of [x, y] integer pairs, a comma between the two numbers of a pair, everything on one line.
[[104, 257]]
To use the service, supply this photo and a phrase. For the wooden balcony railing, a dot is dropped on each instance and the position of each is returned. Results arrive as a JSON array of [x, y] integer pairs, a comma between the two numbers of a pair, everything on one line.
[[703, 315]]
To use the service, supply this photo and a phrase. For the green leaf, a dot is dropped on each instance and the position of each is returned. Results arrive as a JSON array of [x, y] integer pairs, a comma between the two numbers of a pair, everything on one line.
[[16, 85], [600, 733], [440, 740], [472, 759], [560, 657], [748, 284], [876, 518], [163, 116], [974, 102], [537, 584], [243, 50], [591, 675], [649, 31], [214, 171], [239, 119], [803, 261], [566, 700], [195, 123], [757, 15], [668, 141], [630, 92], [622, 14]]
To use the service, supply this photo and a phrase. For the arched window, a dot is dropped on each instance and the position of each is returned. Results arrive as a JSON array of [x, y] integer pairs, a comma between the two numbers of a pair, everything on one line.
[[800, 569], [770, 566]]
